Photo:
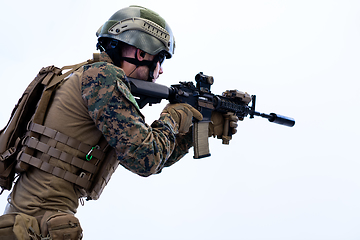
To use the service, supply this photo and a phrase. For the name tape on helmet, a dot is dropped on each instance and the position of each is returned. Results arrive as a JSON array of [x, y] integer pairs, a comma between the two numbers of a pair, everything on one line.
[[143, 25]]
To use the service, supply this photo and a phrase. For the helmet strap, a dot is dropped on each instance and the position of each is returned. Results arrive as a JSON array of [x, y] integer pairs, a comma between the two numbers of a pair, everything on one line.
[[150, 64], [116, 57]]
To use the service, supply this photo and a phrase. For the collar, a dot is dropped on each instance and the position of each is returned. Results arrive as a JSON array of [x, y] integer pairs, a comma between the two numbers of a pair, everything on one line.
[[103, 57]]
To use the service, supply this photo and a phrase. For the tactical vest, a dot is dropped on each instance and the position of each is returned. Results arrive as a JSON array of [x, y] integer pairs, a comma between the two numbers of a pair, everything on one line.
[[91, 166]]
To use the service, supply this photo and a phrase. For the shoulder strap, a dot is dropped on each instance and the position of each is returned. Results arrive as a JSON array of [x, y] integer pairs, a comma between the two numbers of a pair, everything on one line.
[[52, 81]]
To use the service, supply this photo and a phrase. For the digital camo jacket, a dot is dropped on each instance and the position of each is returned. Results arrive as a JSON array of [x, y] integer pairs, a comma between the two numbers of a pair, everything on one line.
[[142, 149]]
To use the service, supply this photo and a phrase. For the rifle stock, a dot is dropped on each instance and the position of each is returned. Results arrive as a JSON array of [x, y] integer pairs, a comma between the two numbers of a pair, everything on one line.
[[201, 98]]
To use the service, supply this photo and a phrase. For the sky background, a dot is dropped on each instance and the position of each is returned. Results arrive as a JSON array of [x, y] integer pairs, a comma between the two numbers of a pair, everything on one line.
[[301, 59]]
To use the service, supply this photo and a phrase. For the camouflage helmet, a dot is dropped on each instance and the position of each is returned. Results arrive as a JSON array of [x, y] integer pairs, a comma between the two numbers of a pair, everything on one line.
[[140, 27]]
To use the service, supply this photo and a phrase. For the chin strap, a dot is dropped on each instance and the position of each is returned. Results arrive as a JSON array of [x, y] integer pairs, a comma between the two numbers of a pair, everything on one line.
[[151, 64], [113, 53]]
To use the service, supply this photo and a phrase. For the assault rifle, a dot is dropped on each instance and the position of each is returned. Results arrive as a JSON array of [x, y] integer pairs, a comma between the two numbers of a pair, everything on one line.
[[201, 98]]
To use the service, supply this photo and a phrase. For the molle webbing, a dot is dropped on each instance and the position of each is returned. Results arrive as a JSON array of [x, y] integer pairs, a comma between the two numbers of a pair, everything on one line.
[[60, 137], [47, 150], [56, 171]]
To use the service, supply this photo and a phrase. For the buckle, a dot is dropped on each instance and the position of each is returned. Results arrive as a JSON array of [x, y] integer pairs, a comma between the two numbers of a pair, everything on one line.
[[19, 155], [23, 141]]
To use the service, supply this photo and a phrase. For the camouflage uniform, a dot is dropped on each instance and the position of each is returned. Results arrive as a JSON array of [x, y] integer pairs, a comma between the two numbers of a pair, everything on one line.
[[95, 101], [141, 149]]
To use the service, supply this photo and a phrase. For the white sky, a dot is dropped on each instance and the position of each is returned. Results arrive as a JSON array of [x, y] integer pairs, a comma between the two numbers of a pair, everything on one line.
[[301, 59]]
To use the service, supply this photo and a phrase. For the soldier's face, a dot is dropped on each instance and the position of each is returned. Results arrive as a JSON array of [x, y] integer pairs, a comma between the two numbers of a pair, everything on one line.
[[143, 71], [158, 70]]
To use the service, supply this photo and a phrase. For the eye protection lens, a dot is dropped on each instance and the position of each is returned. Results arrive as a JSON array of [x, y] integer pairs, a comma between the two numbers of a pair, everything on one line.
[[160, 58]]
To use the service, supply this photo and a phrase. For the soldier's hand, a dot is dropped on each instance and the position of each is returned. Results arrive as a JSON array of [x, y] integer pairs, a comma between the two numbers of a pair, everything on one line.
[[216, 126], [182, 113]]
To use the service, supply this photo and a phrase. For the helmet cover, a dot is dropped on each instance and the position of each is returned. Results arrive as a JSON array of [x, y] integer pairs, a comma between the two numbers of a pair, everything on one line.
[[140, 27]]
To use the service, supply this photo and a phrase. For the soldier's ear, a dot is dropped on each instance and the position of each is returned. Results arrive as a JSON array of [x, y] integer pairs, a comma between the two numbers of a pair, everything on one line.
[[140, 54]]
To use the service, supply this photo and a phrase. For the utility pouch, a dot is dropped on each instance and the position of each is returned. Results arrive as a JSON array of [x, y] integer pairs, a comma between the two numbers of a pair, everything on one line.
[[63, 226], [16, 226]]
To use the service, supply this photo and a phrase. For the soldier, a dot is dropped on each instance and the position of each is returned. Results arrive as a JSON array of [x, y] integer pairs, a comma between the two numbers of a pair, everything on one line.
[[94, 109]]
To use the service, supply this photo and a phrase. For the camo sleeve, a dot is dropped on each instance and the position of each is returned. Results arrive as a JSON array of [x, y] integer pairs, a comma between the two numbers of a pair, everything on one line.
[[140, 148]]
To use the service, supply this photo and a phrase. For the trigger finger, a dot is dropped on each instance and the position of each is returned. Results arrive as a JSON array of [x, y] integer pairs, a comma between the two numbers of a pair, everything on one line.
[[197, 114]]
